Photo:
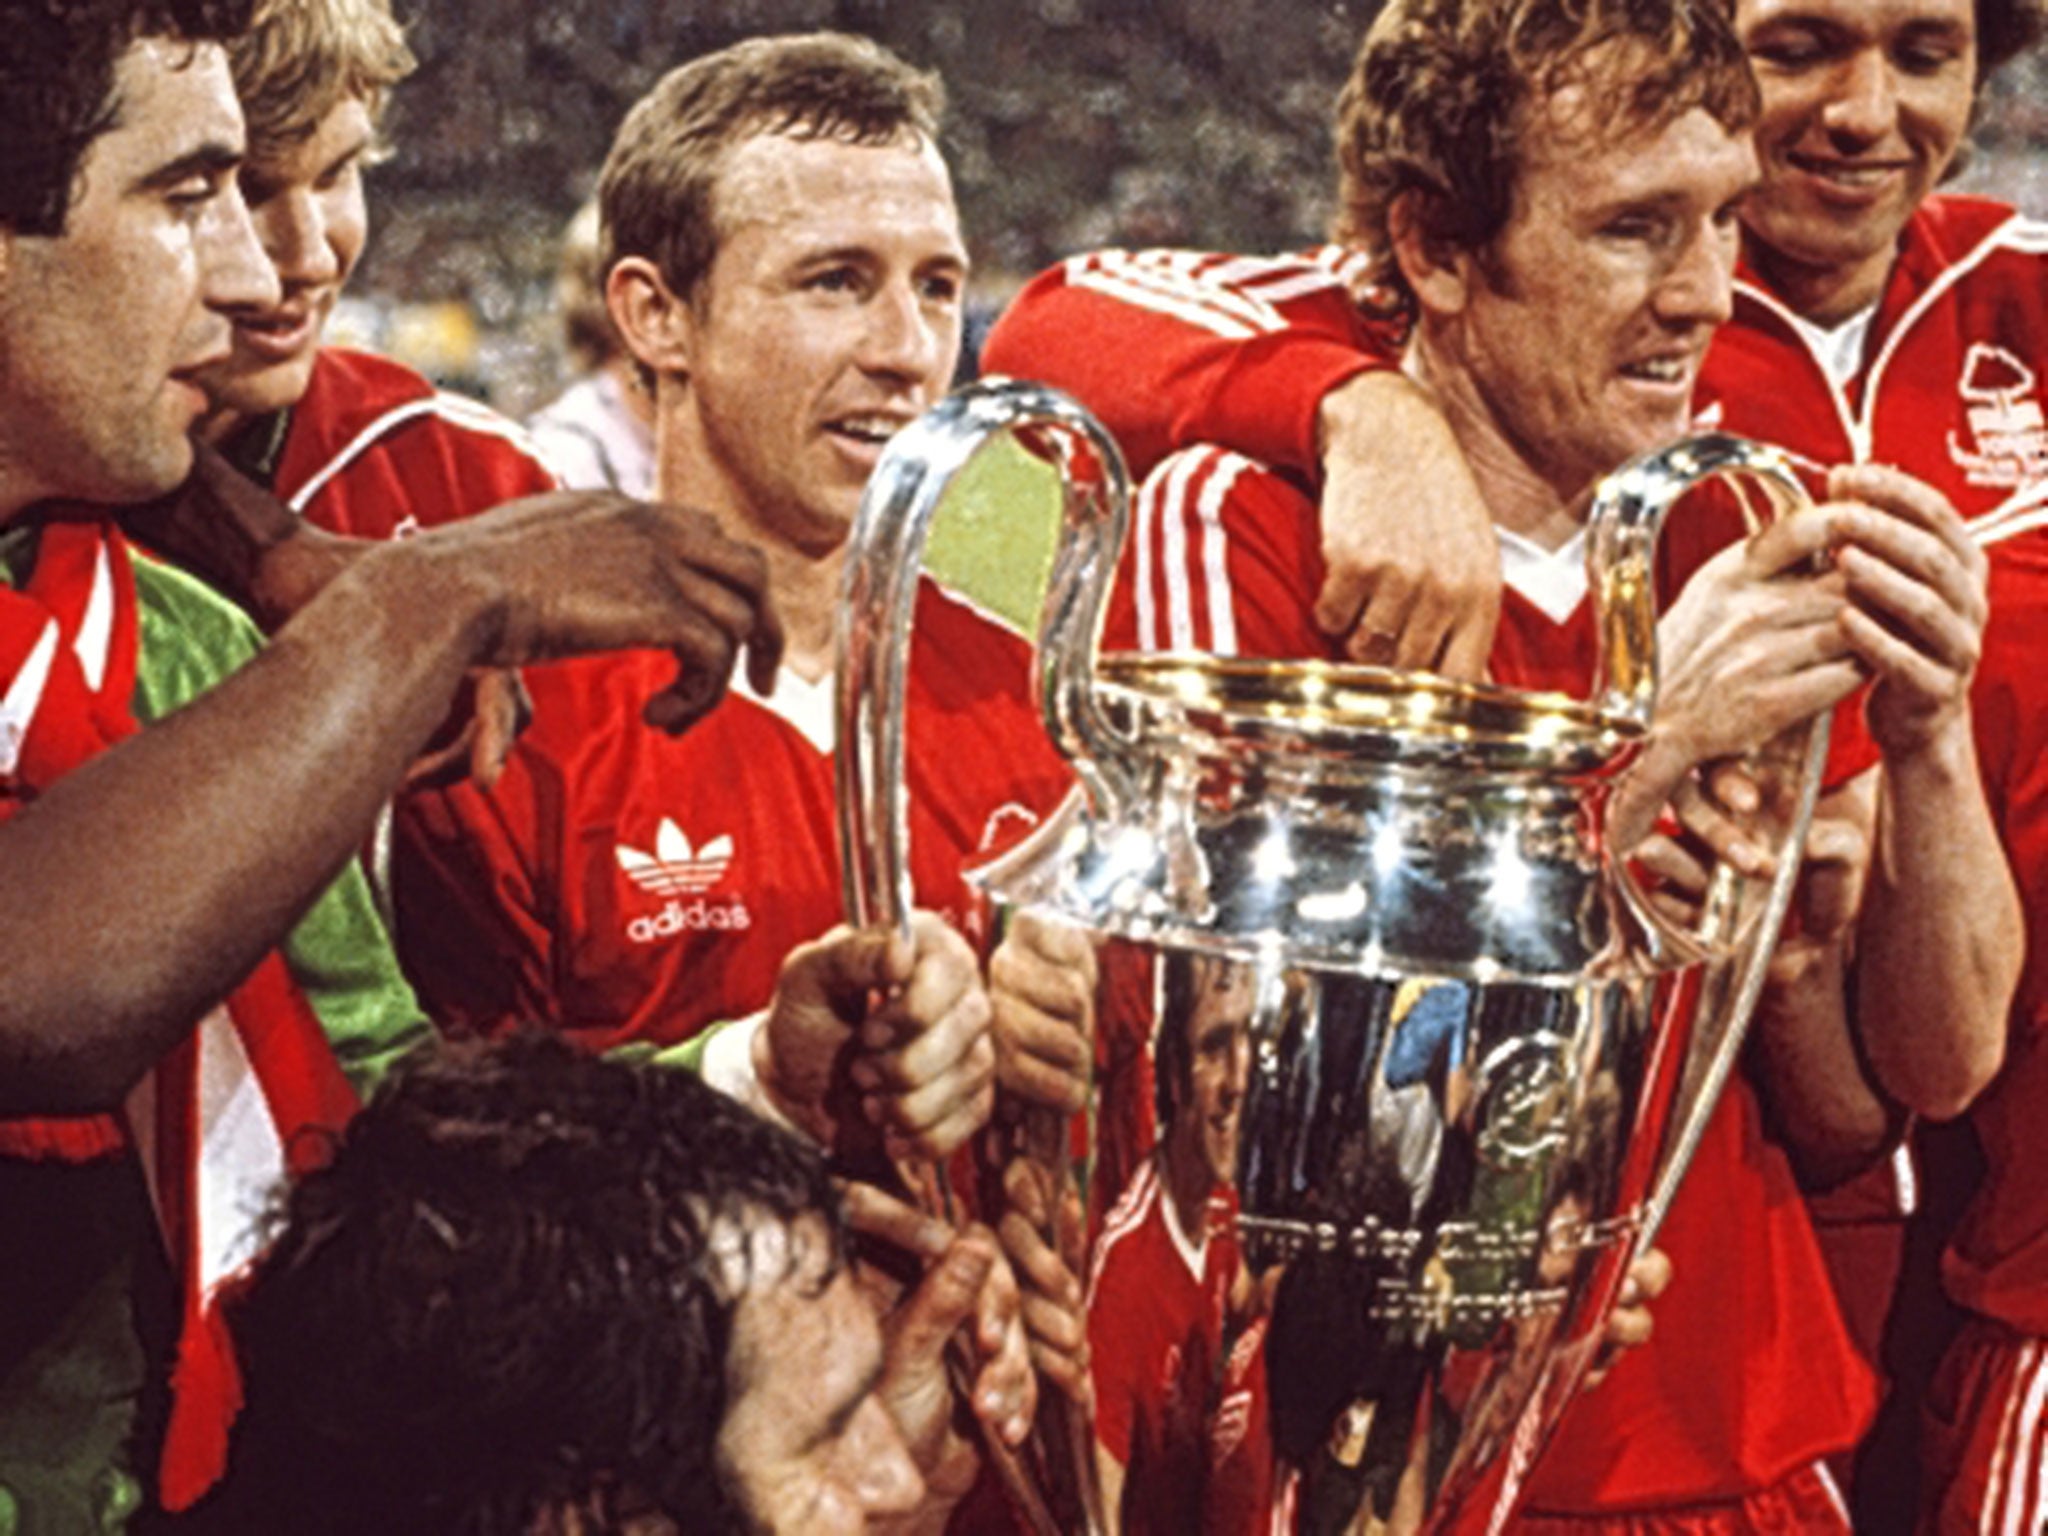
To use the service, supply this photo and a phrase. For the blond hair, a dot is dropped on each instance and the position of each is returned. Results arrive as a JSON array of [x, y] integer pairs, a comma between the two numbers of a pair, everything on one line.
[[302, 58]]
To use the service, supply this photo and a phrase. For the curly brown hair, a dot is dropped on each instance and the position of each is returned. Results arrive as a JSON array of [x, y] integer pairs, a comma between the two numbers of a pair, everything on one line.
[[1439, 105]]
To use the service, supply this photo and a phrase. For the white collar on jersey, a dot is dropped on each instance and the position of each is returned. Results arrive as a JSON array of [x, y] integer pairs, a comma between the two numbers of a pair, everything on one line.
[[1838, 349], [808, 708], [1192, 1253], [1553, 579]]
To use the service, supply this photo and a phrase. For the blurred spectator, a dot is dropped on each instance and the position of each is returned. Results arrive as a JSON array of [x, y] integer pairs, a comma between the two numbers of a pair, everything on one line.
[[600, 431]]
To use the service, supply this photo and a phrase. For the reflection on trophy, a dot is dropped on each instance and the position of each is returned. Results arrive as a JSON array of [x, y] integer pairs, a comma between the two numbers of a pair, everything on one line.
[[1178, 1368], [1394, 1058]]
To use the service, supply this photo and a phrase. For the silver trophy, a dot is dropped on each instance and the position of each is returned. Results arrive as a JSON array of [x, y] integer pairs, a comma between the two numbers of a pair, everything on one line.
[[1396, 1063]]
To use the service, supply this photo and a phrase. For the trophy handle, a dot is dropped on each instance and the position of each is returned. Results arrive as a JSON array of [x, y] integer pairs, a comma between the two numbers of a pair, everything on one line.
[[1628, 512], [1740, 925], [1627, 517], [885, 556]]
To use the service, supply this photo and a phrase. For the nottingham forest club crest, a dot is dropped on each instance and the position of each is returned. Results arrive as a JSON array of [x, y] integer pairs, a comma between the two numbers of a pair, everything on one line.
[[2007, 443], [685, 880]]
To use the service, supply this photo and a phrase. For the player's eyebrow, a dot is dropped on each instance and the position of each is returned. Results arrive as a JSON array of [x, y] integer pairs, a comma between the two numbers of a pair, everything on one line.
[[215, 158]]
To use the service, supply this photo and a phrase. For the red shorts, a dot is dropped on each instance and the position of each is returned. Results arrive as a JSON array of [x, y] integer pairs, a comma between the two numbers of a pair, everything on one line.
[[1805, 1502], [1984, 1435]]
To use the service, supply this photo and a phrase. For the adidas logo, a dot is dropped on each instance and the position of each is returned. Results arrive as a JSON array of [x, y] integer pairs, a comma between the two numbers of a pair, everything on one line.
[[675, 868], [700, 916]]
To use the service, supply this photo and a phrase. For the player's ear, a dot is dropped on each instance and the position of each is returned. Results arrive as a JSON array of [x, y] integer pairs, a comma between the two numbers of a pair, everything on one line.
[[656, 324], [1437, 274]]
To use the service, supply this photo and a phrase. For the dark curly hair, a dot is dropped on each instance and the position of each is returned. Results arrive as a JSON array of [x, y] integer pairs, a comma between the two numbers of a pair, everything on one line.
[[499, 1303], [2005, 30], [57, 88], [1439, 101]]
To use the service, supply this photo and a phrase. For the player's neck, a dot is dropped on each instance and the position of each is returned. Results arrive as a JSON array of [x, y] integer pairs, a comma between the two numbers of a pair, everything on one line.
[[805, 589], [216, 427], [1825, 295], [803, 581], [1188, 1181], [639, 399], [1520, 496], [803, 584]]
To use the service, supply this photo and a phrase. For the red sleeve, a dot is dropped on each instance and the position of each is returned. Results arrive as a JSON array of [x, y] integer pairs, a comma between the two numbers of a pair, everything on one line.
[[1173, 348], [1224, 558], [482, 464]]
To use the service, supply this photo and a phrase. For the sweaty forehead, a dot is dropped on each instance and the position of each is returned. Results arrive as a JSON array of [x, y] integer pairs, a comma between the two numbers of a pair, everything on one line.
[[1859, 16], [1583, 155], [805, 1350], [171, 99], [832, 189]]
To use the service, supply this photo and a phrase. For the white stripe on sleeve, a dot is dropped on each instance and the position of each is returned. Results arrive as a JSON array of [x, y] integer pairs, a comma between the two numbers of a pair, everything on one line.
[[1216, 553]]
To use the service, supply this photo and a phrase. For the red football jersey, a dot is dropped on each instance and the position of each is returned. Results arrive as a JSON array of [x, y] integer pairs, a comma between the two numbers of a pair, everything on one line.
[[373, 450], [1949, 388], [1158, 1297], [1751, 1374], [1998, 1262], [620, 884]]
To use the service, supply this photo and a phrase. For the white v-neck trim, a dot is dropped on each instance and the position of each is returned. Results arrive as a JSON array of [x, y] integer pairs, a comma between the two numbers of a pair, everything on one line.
[[808, 708], [1553, 579], [1194, 1255], [1838, 348]]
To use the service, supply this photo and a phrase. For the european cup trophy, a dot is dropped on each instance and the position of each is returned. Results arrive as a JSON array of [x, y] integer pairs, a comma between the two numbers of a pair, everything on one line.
[[1396, 1064]]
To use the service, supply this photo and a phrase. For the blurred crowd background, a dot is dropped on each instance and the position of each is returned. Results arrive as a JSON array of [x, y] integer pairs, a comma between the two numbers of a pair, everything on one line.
[[1073, 124]]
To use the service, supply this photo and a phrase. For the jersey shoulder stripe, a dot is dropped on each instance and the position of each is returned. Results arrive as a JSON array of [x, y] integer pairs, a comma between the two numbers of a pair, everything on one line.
[[1176, 283], [469, 415], [1183, 499], [2023, 234], [1130, 1212]]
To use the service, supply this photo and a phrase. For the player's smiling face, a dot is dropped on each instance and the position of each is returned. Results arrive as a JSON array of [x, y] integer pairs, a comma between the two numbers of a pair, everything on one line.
[[1865, 103], [1219, 1055], [306, 200], [829, 319], [1583, 329]]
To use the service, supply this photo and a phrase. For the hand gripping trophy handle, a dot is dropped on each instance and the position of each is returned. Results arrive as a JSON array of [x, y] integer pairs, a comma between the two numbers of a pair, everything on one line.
[[1053, 1483], [1739, 926]]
